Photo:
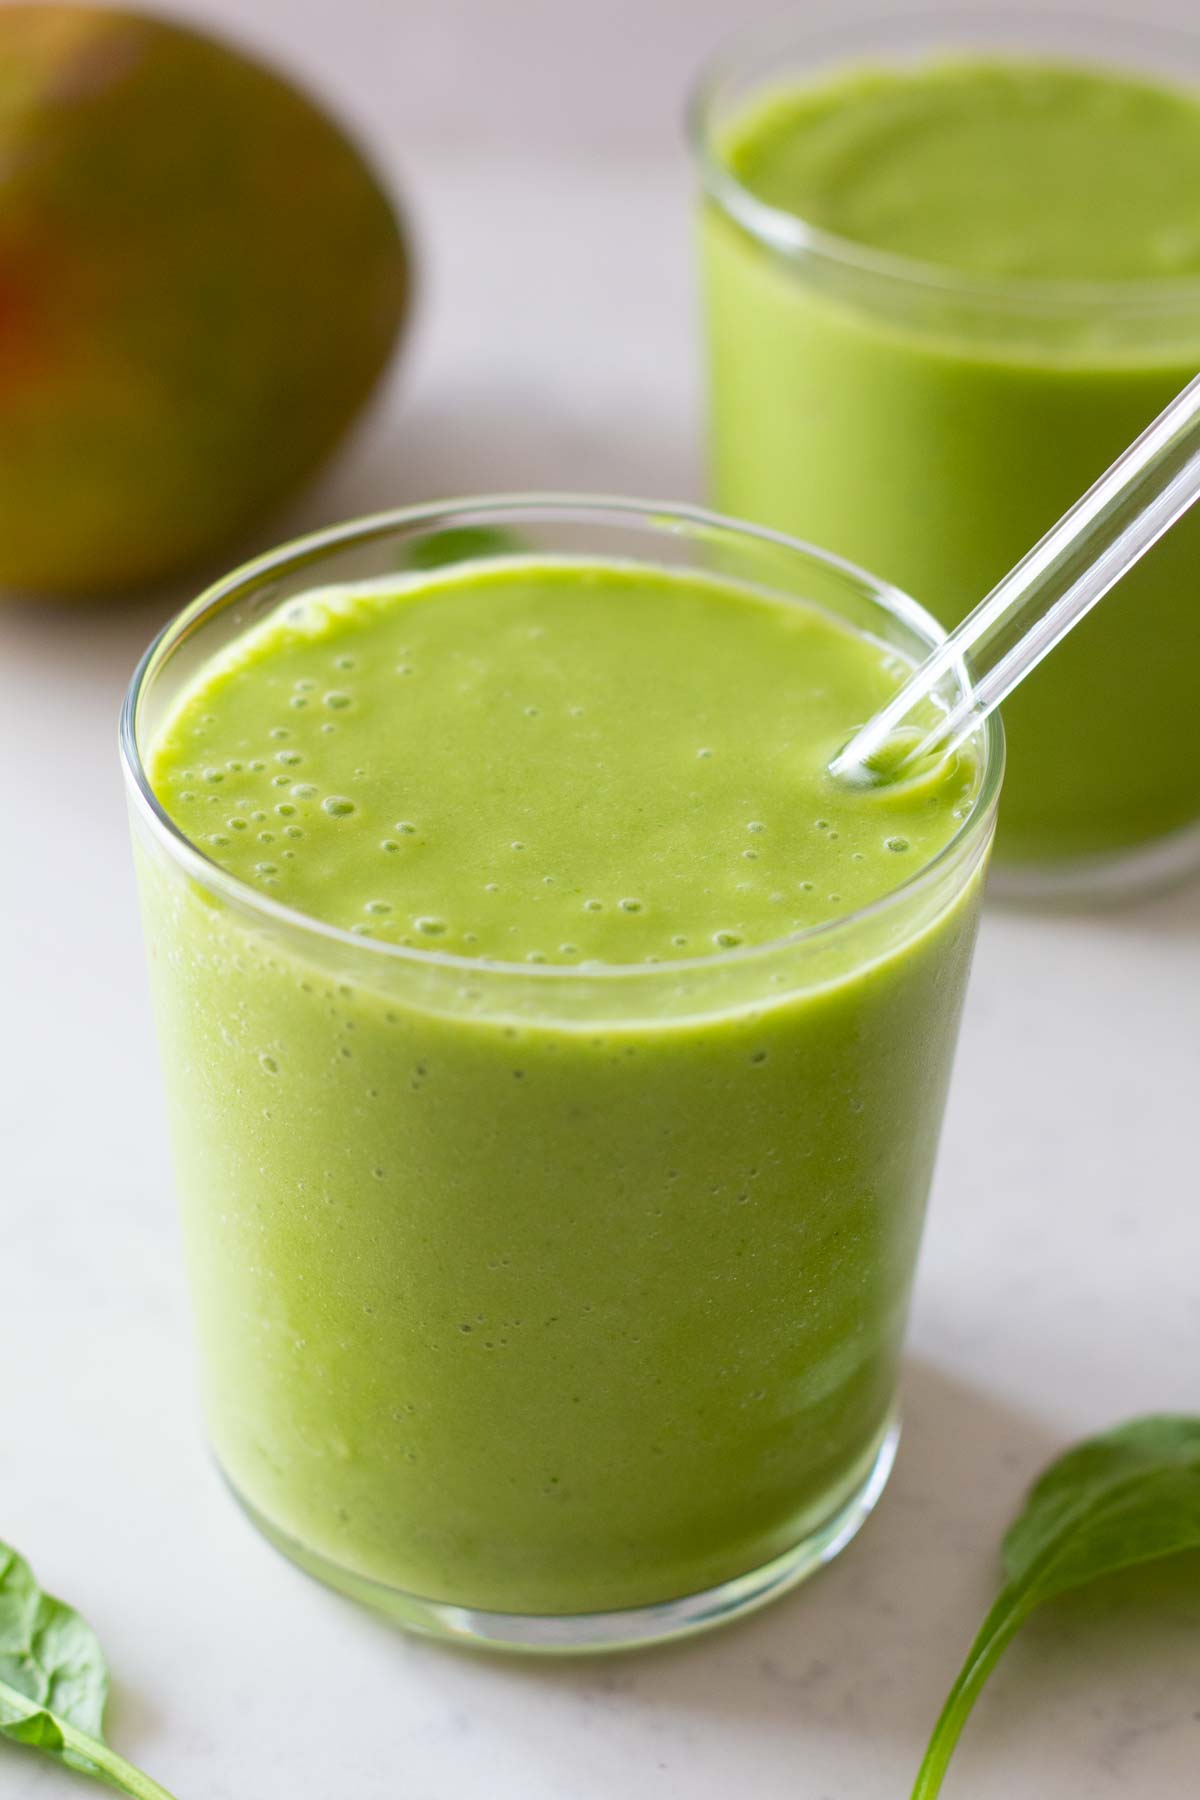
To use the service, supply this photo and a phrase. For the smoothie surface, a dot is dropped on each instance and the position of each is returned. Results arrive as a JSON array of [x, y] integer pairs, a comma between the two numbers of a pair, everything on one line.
[[535, 760], [989, 166]]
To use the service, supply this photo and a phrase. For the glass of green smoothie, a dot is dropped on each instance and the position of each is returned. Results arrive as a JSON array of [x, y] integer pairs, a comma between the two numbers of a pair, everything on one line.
[[951, 267], [555, 1052]]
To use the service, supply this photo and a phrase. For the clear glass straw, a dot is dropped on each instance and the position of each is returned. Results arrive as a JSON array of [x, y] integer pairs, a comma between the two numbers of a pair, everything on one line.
[[1149, 487]]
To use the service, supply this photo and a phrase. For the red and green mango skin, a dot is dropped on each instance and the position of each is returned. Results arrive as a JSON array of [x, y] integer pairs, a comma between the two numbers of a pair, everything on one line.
[[200, 283]]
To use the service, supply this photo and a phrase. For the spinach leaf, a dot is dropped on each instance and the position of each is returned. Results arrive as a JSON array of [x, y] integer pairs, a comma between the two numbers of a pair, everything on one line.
[[54, 1682], [1130, 1496], [461, 543]]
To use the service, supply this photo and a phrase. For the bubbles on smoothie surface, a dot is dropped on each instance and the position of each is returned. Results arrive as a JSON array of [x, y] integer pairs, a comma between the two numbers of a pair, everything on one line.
[[545, 763]]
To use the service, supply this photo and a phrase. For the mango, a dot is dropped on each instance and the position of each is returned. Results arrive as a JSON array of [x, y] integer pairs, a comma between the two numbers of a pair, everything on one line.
[[201, 281]]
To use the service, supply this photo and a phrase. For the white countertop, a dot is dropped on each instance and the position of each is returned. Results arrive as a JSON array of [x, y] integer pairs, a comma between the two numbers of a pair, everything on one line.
[[1059, 1289]]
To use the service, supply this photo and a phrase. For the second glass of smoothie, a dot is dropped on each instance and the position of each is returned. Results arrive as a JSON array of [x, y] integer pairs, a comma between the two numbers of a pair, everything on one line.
[[952, 268], [555, 1053]]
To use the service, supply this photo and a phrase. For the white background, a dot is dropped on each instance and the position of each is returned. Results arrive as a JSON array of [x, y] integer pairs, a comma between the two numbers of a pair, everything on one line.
[[537, 145]]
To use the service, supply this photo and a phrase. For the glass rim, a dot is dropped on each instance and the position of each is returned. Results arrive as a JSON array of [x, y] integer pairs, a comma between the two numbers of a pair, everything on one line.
[[676, 516], [790, 234]]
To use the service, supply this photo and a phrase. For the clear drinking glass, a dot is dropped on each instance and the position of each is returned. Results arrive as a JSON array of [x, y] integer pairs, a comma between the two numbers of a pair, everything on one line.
[[934, 425], [600, 1355]]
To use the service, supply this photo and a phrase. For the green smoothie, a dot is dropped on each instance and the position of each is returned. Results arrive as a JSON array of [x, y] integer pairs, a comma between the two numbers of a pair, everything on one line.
[[551, 1220], [932, 416]]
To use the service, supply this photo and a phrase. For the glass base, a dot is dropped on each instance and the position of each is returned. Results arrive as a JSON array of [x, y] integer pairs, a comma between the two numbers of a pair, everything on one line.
[[1107, 880], [585, 1633]]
